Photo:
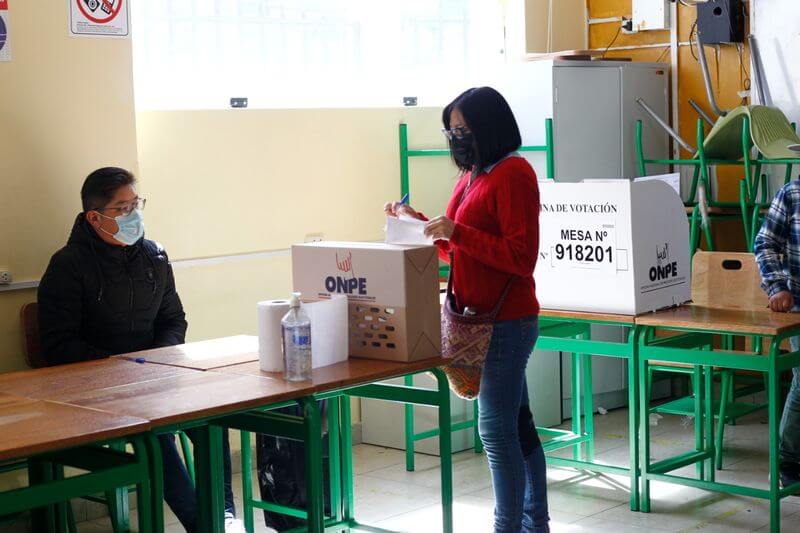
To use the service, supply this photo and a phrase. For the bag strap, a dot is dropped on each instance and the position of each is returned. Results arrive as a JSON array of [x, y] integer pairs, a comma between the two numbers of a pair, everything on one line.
[[497, 306]]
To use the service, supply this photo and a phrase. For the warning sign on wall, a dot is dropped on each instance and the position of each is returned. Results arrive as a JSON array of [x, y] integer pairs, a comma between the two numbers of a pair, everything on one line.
[[5, 37], [99, 18]]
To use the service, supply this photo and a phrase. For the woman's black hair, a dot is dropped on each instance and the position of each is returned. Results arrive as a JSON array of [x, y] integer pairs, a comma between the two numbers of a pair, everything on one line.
[[493, 126]]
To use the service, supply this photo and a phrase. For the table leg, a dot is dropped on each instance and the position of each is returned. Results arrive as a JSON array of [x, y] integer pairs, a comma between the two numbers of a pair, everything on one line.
[[39, 472], [588, 405], [208, 469], [644, 430], [445, 451], [774, 442], [247, 482], [348, 512], [577, 451], [144, 497], [633, 417], [409, 416], [156, 480], [697, 389], [708, 417], [315, 496], [335, 455]]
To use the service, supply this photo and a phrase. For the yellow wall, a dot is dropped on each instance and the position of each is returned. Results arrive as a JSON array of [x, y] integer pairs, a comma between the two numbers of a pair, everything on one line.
[[66, 107], [231, 182]]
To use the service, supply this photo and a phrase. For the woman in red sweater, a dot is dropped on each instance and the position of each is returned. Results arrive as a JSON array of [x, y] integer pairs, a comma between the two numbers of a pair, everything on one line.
[[491, 227]]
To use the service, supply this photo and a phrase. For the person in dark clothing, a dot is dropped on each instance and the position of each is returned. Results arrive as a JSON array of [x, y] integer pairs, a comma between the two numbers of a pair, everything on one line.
[[111, 291]]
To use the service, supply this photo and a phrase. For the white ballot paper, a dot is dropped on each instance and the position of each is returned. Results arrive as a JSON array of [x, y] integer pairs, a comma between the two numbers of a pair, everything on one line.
[[673, 180], [406, 230]]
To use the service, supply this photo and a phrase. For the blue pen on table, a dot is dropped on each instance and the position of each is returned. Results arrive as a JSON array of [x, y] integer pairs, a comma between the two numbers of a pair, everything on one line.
[[140, 360]]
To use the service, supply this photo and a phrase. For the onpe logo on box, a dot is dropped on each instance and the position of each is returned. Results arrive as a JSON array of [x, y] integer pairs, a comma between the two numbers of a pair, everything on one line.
[[346, 284], [664, 268]]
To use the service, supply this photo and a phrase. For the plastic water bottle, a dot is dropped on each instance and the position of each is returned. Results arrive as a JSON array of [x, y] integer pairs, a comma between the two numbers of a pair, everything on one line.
[[296, 337]]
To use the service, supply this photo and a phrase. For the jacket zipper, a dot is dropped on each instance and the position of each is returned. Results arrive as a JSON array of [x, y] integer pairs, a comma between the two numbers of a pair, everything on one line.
[[130, 286]]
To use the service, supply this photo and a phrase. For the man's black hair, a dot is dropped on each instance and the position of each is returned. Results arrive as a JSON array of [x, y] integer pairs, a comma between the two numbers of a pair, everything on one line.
[[100, 186]]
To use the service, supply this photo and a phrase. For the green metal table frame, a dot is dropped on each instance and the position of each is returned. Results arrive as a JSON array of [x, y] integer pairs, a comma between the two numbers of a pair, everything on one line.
[[106, 469], [308, 429], [573, 335], [694, 349]]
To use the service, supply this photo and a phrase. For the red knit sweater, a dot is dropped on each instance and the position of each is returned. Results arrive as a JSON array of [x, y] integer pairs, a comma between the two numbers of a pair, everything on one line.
[[496, 236]]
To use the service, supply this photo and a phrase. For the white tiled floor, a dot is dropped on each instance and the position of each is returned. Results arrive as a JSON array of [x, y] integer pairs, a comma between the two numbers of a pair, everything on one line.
[[390, 497]]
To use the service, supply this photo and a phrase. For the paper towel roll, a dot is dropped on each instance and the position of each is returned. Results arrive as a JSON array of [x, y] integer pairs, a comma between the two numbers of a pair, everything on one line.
[[270, 354]]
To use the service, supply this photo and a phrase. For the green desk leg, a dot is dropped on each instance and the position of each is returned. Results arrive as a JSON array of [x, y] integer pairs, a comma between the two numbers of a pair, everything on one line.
[[644, 431], [247, 482], [445, 450], [315, 496], [774, 439], [144, 496], [577, 451], [633, 412], [348, 511], [408, 381], [725, 398], [708, 420], [40, 472], [334, 454], [588, 405], [208, 472], [156, 480], [697, 389]]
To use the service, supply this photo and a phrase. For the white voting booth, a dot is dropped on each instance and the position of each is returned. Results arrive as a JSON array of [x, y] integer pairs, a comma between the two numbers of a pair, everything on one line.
[[612, 246]]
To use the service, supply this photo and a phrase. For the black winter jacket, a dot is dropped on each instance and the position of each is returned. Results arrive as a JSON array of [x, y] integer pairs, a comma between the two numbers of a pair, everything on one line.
[[97, 300]]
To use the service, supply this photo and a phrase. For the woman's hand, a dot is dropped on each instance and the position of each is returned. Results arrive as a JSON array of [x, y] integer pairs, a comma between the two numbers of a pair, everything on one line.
[[394, 209], [440, 228], [782, 302]]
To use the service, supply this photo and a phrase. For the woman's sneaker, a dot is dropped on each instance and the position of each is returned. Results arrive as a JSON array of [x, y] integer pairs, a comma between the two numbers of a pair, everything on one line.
[[232, 524]]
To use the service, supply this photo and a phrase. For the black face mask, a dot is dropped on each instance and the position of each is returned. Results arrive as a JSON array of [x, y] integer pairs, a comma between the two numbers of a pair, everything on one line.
[[463, 150]]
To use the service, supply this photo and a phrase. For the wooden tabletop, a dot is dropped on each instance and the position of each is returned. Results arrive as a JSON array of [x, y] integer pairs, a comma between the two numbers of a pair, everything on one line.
[[29, 427], [65, 382], [188, 396], [354, 371], [591, 317], [736, 321], [205, 355]]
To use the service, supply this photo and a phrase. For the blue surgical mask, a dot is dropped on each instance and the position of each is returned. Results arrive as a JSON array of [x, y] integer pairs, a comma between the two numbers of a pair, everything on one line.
[[131, 227]]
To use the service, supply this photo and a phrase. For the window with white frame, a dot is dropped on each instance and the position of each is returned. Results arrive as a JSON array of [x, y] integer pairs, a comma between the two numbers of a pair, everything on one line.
[[311, 53]]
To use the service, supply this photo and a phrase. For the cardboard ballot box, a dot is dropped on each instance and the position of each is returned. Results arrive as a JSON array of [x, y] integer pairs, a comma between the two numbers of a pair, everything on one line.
[[612, 246], [393, 293]]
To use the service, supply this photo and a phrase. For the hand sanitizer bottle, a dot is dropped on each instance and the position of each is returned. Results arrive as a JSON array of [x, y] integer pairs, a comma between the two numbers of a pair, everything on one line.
[[296, 340]]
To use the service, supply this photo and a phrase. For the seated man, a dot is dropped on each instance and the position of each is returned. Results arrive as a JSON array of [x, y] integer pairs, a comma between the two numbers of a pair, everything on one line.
[[111, 291], [777, 249]]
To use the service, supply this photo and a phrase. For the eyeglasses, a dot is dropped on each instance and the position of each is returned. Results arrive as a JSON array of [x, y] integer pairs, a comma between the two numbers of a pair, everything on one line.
[[456, 133], [127, 209]]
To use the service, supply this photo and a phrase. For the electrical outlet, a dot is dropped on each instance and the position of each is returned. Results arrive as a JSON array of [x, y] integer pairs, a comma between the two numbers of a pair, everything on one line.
[[314, 237], [5, 277], [627, 26]]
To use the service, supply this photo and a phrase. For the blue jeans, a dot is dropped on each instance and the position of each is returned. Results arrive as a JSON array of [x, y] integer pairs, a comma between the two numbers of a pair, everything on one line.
[[790, 420], [179, 491], [506, 429]]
